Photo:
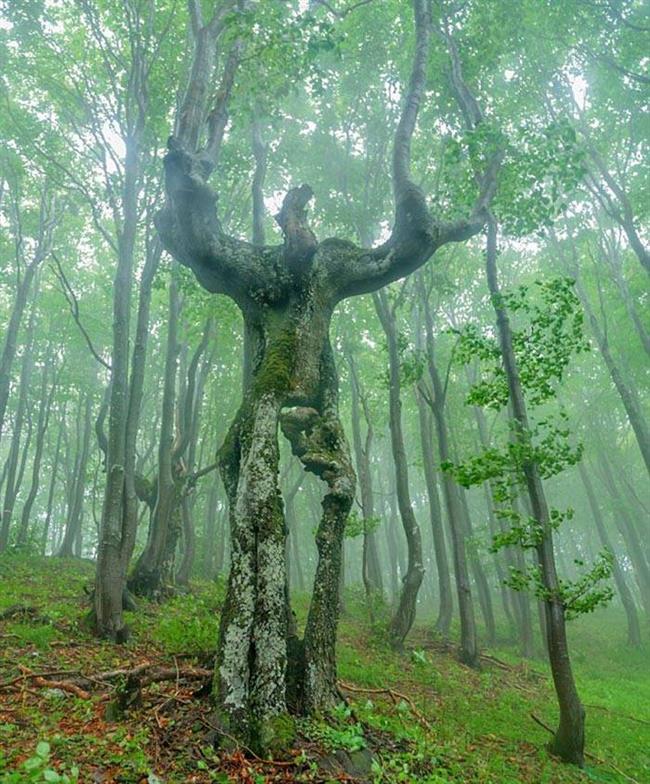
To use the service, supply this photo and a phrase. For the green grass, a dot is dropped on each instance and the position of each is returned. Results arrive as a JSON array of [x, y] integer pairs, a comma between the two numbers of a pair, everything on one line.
[[479, 731]]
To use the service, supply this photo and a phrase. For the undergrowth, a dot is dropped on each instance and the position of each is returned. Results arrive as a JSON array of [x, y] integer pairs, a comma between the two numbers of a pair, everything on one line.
[[418, 717]]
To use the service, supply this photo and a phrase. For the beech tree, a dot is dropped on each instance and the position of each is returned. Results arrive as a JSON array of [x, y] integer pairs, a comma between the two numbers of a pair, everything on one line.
[[287, 295]]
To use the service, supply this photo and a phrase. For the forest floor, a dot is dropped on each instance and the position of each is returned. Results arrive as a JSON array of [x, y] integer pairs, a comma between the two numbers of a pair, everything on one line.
[[425, 717]]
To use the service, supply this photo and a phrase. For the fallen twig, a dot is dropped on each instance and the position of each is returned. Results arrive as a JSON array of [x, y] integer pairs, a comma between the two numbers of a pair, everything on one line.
[[27, 675], [64, 686]]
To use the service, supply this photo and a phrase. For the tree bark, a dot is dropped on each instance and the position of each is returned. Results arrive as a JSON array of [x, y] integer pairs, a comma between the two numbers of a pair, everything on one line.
[[569, 739], [469, 652], [404, 616], [445, 609], [633, 628], [75, 507], [41, 429]]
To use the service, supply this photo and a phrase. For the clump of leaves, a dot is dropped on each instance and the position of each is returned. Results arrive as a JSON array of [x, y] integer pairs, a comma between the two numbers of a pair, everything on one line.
[[340, 732], [356, 525], [549, 333], [37, 768]]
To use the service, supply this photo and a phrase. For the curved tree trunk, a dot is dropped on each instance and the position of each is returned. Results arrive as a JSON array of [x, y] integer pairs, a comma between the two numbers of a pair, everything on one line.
[[263, 671], [404, 616]]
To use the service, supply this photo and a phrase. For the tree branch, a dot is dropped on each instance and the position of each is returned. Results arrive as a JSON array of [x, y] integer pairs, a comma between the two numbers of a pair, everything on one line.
[[73, 303]]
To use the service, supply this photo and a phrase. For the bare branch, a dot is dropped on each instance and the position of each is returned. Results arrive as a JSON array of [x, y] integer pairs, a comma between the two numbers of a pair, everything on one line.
[[73, 303]]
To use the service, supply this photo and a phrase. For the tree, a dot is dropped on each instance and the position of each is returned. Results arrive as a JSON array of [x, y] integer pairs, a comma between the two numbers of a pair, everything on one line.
[[286, 295]]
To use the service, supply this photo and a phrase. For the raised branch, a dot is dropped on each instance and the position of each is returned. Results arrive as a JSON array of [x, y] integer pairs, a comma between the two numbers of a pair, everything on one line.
[[300, 242]]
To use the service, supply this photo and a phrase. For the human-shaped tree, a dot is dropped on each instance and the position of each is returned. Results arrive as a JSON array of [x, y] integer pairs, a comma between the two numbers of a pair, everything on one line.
[[287, 295]]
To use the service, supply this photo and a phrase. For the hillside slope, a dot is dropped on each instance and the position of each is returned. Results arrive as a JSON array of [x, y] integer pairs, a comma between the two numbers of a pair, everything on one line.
[[415, 717]]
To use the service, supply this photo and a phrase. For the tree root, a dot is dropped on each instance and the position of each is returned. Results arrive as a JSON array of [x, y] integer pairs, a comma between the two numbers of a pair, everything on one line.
[[395, 696]]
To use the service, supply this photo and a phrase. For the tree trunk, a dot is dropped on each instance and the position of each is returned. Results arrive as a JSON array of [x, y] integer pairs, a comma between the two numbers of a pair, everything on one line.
[[627, 392], [445, 610], [75, 508], [110, 576], [469, 653], [404, 616], [482, 586], [149, 577], [630, 536], [370, 568], [569, 739], [53, 476], [633, 628], [41, 428], [12, 479], [44, 244]]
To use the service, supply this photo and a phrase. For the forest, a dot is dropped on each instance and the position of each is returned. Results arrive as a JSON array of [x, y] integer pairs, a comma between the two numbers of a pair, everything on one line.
[[324, 391]]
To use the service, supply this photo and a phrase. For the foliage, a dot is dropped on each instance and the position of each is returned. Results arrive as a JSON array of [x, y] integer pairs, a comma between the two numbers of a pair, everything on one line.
[[38, 769], [543, 346]]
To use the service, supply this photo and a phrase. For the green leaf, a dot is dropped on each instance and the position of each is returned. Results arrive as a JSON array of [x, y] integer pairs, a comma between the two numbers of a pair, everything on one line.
[[43, 749]]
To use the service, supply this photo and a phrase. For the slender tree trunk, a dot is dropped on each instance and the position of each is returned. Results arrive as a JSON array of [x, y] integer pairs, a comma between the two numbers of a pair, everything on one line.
[[52, 487], [75, 509], [147, 578], [210, 542], [633, 628], [404, 616], [136, 390], [41, 429], [482, 586], [47, 221], [569, 739], [13, 480], [445, 609], [469, 652], [110, 576], [627, 392], [629, 534], [371, 571]]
